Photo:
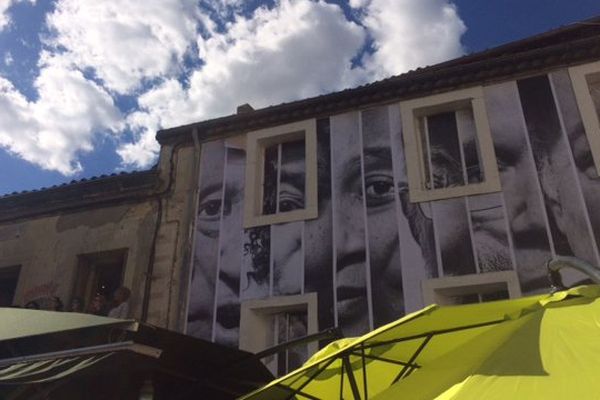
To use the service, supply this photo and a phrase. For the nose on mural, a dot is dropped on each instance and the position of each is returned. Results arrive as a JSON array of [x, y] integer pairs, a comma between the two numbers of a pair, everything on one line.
[[527, 215], [351, 227]]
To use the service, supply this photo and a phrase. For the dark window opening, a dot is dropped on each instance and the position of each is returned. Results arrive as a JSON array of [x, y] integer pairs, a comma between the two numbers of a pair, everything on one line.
[[9, 276], [451, 154], [284, 177], [99, 275], [482, 297]]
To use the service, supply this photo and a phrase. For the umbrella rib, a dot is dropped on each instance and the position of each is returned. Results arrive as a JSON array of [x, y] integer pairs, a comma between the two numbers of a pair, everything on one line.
[[296, 391], [364, 369], [301, 393], [432, 333], [308, 396], [388, 360], [351, 378], [407, 370], [342, 383]]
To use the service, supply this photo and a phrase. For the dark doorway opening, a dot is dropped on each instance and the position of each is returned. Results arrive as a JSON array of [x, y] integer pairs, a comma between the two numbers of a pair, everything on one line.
[[9, 276]]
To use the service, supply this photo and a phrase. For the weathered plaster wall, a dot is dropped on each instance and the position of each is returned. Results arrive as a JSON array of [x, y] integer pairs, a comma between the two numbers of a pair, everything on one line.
[[171, 267], [47, 248]]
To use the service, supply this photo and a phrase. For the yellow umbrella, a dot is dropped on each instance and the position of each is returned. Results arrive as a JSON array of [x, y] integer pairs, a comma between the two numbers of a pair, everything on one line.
[[545, 346]]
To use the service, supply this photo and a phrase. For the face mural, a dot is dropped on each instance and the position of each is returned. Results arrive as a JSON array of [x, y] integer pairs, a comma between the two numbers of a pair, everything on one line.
[[208, 217], [580, 160], [370, 247], [567, 222]]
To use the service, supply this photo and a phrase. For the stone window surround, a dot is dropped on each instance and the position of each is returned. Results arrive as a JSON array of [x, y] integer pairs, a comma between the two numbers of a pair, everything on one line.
[[412, 110], [256, 142], [439, 290], [256, 317]]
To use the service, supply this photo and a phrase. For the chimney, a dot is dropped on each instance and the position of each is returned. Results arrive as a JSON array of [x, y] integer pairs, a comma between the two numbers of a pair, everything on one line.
[[244, 109]]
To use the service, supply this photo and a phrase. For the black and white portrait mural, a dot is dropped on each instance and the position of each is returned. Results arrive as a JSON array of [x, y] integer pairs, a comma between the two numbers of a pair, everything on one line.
[[369, 249]]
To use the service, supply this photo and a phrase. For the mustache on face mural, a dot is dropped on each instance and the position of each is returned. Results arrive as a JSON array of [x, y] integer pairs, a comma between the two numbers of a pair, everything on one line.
[[368, 250]]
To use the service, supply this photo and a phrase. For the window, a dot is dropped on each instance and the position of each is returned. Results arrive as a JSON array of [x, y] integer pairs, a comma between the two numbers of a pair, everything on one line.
[[288, 326], [269, 322], [475, 288], [448, 146], [9, 276], [586, 85], [99, 274], [281, 174]]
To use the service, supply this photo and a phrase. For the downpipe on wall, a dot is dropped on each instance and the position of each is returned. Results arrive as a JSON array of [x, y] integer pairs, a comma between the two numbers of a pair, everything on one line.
[[559, 262]]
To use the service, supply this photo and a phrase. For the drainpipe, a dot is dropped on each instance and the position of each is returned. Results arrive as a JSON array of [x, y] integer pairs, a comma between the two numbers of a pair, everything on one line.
[[150, 268], [559, 262]]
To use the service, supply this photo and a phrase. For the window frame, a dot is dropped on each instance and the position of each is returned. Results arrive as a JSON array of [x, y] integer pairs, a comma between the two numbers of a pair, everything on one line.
[[88, 265], [256, 142], [412, 111], [437, 289], [255, 317], [589, 116]]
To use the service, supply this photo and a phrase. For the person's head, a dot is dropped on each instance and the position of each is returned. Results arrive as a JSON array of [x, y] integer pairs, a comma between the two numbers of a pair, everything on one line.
[[33, 305], [76, 304], [202, 290], [57, 304], [586, 170], [280, 249], [571, 206], [564, 203], [121, 295], [455, 140], [227, 320], [98, 304], [219, 232], [286, 239], [363, 201], [317, 243], [490, 237], [518, 176]]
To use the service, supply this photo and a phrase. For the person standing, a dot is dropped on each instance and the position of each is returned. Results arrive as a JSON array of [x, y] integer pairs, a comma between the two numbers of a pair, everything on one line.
[[97, 305], [120, 303]]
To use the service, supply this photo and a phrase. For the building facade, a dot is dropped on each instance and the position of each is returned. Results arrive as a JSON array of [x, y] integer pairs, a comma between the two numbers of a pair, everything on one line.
[[454, 183]]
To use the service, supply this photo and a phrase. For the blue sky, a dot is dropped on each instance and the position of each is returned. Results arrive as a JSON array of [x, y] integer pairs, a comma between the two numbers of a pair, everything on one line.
[[85, 85]]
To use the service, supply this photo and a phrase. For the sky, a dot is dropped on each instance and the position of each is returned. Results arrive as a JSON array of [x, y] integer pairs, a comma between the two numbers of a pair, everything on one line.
[[85, 85]]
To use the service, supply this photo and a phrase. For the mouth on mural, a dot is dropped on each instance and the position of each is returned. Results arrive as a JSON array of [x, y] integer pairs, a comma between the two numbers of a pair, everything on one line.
[[199, 314], [352, 309], [349, 293], [350, 302], [228, 316]]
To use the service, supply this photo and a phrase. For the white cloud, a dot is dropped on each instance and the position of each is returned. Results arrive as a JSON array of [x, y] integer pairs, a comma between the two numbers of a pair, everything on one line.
[[408, 34], [61, 123], [293, 50], [8, 59], [125, 41], [4, 18], [166, 105], [358, 3]]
